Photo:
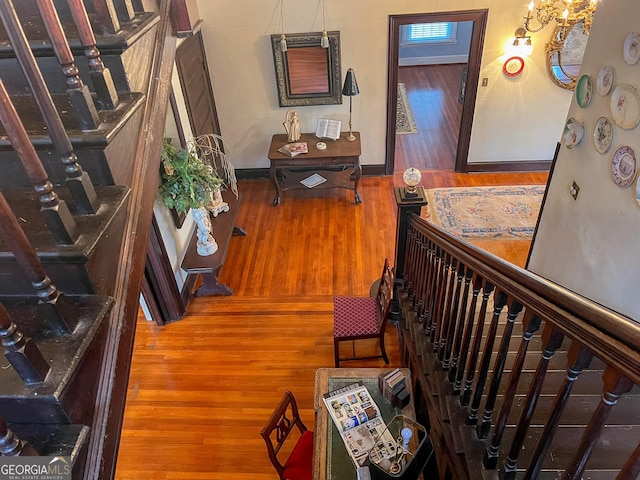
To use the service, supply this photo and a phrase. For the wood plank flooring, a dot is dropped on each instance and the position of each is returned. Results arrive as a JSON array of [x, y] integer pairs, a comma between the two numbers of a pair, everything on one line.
[[432, 91], [202, 388]]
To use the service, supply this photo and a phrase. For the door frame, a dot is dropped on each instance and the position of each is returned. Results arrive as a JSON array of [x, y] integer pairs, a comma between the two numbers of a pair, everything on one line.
[[479, 17]]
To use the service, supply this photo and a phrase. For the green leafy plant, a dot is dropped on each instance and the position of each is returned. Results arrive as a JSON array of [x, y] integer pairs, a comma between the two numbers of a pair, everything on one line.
[[187, 182]]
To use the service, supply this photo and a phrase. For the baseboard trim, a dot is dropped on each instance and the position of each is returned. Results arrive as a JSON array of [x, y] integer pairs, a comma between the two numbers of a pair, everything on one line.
[[528, 166]]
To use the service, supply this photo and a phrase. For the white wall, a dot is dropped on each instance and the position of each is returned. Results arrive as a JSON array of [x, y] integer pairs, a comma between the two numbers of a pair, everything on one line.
[[590, 245], [516, 118]]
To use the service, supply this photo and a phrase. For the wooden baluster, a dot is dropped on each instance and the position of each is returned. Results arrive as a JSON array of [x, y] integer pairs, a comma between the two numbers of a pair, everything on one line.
[[615, 385], [22, 352], [455, 338], [452, 321], [106, 16], [12, 446], [430, 266], [631, 468], [439, 312], [498, 369], [107, 97], [475, 352], [84, 195], [499, 301], [52, 303], [447, 299], [438, 275], [531, 324], [456, 373], [54, 210], [407, 280], [422, 271], [125, 11], [578, 358], [78, 92], [411, 269]]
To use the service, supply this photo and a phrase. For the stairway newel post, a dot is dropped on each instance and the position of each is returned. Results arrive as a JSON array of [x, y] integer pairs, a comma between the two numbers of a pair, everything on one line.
[[406, 206]]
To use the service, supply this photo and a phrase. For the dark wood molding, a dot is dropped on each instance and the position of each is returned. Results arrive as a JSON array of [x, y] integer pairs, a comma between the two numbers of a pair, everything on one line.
[[114, 374], [373, 170], [479, 17], [263, 173], [527, 166]]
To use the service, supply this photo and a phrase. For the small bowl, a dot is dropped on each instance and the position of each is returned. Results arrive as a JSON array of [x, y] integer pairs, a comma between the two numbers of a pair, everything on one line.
[[573, 132]]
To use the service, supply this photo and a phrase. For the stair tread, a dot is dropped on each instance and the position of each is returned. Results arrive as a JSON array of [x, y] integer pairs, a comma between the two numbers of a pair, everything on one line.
[[38, 403], [25, 205]]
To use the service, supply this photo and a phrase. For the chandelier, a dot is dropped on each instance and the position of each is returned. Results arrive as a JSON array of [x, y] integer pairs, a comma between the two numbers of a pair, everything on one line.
[[565, 12]]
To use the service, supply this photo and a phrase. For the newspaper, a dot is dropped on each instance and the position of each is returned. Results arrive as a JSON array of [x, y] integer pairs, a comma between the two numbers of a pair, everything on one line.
[[358, 419]]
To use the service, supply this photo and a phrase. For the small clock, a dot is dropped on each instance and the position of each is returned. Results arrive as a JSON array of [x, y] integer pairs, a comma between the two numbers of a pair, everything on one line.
[[513, 66]]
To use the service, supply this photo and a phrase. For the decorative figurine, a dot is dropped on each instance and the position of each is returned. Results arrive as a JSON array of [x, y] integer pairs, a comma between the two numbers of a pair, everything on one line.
[[292, 126], [206, 244]]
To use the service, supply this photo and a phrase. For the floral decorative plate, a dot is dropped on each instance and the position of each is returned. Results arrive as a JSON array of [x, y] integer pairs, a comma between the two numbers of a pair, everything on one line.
[[573, 132], [603, 134], [623, 166], [632, 48], [584, 91], [513, 66], [605, 80], [625, 106]]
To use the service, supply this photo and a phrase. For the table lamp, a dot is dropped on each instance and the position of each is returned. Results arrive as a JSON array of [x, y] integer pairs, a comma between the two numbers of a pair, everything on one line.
[[350, 89]]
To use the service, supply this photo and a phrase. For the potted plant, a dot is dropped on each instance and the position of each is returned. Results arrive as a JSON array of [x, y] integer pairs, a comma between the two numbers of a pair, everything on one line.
[[188, 183]]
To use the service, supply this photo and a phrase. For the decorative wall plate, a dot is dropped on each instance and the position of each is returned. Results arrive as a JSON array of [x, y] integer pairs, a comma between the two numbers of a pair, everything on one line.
[[605, 80], [513, 66], [625, 106], [573, 132], [602, 134], [632, 48], [623, 166], [584, 91]]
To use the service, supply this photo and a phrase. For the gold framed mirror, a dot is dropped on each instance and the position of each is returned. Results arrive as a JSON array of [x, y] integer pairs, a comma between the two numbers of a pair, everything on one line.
[[306, 73], [564, 54]]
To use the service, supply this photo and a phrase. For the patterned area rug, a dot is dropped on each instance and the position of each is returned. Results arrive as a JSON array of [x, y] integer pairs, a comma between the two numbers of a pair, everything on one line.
[[404, 116], [508, 212]]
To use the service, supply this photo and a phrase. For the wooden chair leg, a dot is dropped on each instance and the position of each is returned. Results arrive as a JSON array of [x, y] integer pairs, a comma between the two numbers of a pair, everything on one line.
[[336, 352], [383, 350]]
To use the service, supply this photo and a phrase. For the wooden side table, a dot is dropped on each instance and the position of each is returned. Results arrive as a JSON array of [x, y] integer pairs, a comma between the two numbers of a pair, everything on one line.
[[338, 153]]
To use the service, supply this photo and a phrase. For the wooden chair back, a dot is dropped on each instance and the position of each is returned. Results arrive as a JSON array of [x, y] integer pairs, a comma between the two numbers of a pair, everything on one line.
[[284, 420], [385, 294]]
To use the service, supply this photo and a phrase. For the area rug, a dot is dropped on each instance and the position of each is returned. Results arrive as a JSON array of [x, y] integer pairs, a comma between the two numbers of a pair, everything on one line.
[[404, 116], [506, 212]]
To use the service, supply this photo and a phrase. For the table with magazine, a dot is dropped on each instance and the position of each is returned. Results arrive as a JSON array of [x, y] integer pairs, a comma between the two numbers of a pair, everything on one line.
[[350, 410], [302, 165]]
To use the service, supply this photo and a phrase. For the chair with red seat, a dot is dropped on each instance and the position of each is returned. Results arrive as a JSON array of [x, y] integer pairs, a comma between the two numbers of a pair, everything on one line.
[[284, 420], [356, 318]]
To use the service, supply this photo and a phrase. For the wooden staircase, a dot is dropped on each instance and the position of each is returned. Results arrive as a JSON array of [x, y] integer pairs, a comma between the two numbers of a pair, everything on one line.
[[84, 89], [515, 377]]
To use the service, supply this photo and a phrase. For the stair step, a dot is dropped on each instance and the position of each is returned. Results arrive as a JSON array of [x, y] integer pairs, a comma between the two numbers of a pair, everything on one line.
[[614, 447], [125, 53], [62, 397], [86, 266], [104, 153]]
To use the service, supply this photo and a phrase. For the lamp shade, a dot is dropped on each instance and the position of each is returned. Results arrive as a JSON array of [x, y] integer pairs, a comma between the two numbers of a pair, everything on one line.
[[350, 87]]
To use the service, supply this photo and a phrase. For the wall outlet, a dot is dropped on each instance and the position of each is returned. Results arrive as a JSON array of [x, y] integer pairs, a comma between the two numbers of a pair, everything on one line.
[[575, 188], [485, 81]]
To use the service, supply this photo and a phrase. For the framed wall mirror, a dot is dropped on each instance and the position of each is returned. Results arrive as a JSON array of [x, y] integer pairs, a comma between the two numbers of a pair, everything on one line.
[[306, 73], [564, 54]]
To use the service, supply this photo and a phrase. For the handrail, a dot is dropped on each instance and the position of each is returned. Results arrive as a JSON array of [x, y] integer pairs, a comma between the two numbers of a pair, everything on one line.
[[609, 335]]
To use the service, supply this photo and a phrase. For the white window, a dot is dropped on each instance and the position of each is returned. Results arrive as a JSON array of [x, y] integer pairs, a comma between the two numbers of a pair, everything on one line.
[[421, 33]]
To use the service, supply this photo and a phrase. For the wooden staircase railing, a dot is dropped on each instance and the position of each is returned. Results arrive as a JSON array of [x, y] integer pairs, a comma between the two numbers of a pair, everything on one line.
[[69, 347], [516, 377]]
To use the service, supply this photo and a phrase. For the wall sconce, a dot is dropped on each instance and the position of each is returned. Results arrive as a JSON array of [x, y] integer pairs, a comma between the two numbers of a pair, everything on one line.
[[564, 13], [521, 45], [521, 38]]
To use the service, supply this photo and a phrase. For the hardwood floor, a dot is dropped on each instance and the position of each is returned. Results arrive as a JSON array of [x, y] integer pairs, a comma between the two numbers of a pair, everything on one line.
[[202, 388], [432, 91]]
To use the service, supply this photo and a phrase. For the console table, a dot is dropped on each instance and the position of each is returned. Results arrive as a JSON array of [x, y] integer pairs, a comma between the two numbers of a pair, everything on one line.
[[338, 153], [209, 266]]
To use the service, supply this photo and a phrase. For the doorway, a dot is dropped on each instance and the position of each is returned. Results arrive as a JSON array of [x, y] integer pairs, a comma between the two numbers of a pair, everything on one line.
[[461, 84]]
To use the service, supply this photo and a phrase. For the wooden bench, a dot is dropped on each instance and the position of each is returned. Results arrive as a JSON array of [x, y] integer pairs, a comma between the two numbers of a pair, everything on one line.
[[209, 267]]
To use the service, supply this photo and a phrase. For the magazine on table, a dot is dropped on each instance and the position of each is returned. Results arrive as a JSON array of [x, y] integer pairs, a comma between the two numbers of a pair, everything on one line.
[[358, 419], [293, 149]]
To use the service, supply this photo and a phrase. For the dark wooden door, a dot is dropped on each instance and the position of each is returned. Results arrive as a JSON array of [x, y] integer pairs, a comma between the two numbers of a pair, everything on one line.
[[196, 86]]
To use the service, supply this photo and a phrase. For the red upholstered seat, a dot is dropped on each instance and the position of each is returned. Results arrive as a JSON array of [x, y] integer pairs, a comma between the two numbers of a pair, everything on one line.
[[299, 465], [284, 421], [356, 318]]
